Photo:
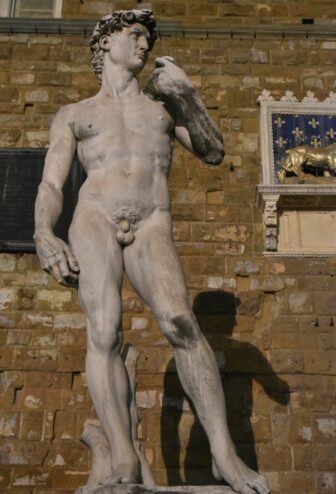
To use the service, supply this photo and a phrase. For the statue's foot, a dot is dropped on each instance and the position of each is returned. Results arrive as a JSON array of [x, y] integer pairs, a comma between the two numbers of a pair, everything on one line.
[[123, 474], [239, 476]]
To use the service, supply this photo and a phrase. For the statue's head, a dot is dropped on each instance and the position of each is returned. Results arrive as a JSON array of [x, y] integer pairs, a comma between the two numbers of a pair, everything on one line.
[[126, 22]]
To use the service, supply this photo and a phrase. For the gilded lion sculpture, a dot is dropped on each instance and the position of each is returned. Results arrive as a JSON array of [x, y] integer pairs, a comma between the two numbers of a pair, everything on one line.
[[302, 160]]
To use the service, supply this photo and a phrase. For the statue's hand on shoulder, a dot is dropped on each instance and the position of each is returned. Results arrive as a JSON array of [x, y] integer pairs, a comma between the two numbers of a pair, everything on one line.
[[168, 81], [56, 258]]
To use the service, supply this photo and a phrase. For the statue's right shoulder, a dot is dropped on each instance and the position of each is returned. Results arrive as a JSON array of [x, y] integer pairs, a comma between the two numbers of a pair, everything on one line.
[[69, 114]]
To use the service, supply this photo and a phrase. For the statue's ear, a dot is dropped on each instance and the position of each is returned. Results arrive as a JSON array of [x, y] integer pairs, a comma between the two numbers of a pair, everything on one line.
[[105, 42]]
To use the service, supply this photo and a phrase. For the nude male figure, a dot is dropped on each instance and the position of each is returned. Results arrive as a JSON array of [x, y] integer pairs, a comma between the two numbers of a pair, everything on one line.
[[122, 221]]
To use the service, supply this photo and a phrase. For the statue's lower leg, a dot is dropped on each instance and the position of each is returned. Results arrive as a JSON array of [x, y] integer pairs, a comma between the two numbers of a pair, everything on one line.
[[93, 436], [109, 390], [198, 371]]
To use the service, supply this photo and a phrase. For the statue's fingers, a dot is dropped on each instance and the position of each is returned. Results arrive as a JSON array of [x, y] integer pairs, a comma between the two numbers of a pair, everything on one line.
[[156, 73], [71, 259], [170, 59], [63, 265], [73, 276], [72, 279], [49, 262], [56, 273], [162, 61]]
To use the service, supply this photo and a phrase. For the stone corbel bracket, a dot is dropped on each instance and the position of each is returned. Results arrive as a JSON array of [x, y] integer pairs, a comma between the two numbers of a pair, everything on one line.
[[270, 219]]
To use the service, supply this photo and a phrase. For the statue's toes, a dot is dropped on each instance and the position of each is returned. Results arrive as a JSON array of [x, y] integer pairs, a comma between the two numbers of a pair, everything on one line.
[[259, 485], [247, 490]]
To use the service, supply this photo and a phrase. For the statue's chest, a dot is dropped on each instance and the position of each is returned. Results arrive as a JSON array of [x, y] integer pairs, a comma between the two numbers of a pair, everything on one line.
[[118, 118]]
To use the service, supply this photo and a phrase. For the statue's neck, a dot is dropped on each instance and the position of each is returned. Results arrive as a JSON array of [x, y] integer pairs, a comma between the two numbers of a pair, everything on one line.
[[118, 82]]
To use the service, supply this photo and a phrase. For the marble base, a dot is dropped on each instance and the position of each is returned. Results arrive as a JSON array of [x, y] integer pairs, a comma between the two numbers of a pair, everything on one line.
[[141, 489]]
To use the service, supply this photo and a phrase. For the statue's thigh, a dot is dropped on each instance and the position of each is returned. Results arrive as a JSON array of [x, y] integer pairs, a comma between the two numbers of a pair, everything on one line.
[[92, 239], [154, 269]]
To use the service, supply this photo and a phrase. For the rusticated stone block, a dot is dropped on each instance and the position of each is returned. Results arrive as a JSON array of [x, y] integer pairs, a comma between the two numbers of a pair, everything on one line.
[[286, 361], [324, 428], [246, 267], [68, 479], [303, 457], [298, 482], [300, 303], [32, 425], [326, 483], [317, 361], [71, 359], [249, 303], [300, 429], [9, 424], [23, 52], [44, 379], [69, 321], [5, 477], [36, 358], [9, 94], [66, 425], [276, 458], [7, 262], [7, 298], [15, 452], [29, 477], [53, 299], [280, 428], [6, 356], [73, 399], [325, 303], [53, 79], [38, 398], [70, 454]]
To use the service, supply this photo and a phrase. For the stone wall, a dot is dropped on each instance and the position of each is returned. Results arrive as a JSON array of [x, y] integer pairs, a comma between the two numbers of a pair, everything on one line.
[[269, 321]]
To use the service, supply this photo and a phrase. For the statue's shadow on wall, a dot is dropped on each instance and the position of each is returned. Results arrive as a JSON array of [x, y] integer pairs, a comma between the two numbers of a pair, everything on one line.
[[244, 364]]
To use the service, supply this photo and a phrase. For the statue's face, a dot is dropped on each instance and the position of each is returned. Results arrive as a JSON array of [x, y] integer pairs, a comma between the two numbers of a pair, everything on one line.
[[129, 47]]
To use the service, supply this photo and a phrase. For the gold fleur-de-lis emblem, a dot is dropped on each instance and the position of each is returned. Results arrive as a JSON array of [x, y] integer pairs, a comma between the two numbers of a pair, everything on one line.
[[331, 133], [314, 123], [315, 141], [281, 142], [279, 122], [298, 133]]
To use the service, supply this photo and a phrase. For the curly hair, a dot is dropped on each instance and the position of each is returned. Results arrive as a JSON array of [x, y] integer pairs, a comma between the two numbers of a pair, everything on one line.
[[115, 22]]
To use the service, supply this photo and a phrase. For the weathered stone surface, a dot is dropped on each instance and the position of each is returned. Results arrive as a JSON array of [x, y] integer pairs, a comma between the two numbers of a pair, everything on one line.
[[140, 489], [22, 452], [9, 424], [249, 303], [229, 73]]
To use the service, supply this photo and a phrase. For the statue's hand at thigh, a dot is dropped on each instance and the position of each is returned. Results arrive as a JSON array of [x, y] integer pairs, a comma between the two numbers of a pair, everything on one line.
[[56, 258]]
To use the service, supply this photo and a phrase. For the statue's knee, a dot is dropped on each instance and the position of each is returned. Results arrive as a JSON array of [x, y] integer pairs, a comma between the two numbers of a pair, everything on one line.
[[103, 340], [182, 330]]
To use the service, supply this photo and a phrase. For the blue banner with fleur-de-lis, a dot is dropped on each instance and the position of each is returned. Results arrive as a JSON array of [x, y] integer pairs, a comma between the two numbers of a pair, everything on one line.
[[290, 130]]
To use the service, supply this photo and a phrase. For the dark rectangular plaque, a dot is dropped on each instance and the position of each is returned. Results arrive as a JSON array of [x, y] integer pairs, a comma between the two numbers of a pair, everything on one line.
[[20, 175]]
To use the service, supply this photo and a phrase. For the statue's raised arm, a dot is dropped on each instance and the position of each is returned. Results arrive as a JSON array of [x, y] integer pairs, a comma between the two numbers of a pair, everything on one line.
[[54, 254], [194, 128]]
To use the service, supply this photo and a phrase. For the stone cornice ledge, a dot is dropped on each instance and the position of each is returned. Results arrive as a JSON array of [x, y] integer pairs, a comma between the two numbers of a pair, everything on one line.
[[297, 190], [171, 28], [269, 192], [320, 255]]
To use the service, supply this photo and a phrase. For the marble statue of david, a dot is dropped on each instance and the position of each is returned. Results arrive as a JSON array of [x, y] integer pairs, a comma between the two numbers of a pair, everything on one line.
[[122, 222]]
